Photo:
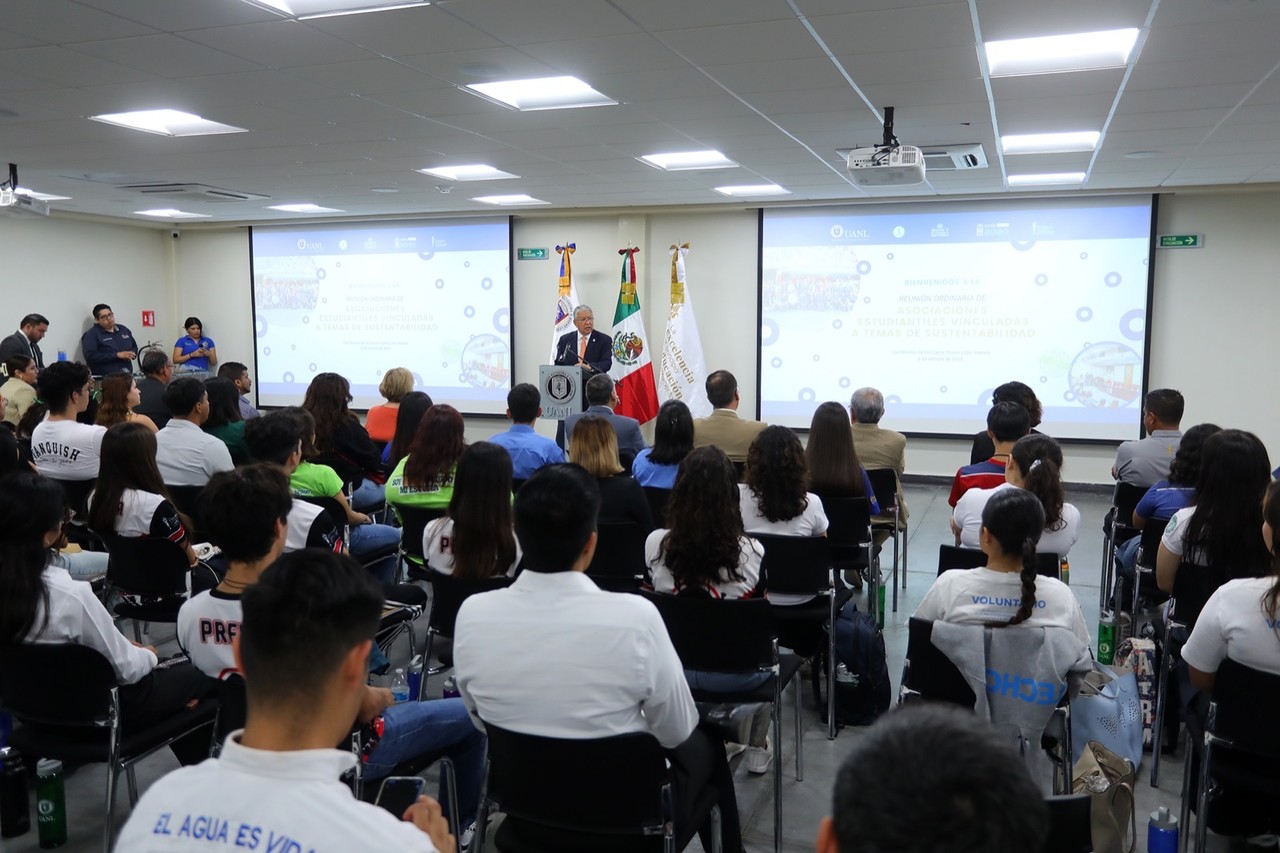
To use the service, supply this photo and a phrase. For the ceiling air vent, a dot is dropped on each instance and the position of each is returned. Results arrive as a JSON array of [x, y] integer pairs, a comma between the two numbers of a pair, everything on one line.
[[954, 158], [192, 192]]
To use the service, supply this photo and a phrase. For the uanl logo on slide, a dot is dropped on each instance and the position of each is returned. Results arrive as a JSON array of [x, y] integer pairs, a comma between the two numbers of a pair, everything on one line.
[[627, 347], [561, 387]]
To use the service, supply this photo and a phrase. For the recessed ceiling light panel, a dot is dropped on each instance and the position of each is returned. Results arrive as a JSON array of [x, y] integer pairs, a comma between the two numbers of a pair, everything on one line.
[[303, 10], [542, 93], [753, 190], [171, 213], [167, 123], [1053, 54], [477, 172], [509, 199], [1046, 179], [681, 161], [303, 208], [41, 196], [1050, 143]]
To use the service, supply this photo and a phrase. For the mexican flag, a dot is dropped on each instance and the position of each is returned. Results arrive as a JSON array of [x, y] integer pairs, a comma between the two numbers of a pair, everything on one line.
[[632, 365], [567, 299], [684, 369]]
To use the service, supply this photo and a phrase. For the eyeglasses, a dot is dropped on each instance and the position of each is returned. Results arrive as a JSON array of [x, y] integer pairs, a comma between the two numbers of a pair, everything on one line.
[[105, 314]]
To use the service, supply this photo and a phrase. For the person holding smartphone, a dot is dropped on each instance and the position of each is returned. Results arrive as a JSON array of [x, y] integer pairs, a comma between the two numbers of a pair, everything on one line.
[[193, 351]]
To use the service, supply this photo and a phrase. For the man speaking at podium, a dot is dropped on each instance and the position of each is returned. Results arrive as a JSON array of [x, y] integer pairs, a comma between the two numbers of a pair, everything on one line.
[[586, 347]]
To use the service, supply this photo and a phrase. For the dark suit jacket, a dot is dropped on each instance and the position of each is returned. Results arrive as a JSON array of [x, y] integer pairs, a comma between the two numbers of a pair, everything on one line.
[[17, 344], [630, 441], [151, 390], [599, 350]]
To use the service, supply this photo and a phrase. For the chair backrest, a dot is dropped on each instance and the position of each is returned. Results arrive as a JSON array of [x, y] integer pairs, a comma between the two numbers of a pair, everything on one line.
[[233, 703], [884, 482], [796, 564], [447, 595], [848, 520], [1245, 700], [618, 564], [603, 785], [954, 557], [718, 635], [1125, 498], [1192, 586], [931, 673], [332, 507], [145, 565], [1152, 533], [1070, 829], [62, 684], [187, 500], [77, 494], [413, 521], [658, 504], [1049, 566]]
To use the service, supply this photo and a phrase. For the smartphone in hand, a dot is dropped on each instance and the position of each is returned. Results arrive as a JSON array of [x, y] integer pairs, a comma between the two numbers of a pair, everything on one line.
[[399, 792]]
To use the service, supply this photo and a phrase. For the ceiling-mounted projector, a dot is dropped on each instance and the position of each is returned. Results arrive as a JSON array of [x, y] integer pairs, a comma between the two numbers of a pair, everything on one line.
[[886, 166], [12, 202]]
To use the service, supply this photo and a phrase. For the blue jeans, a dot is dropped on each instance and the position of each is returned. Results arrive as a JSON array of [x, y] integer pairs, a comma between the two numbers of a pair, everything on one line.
[[369, 539], [439, 726], [81, 565], [370, 494]]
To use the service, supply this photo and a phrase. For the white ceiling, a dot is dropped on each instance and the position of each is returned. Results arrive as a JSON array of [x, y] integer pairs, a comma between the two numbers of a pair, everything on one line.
[[336, 107]]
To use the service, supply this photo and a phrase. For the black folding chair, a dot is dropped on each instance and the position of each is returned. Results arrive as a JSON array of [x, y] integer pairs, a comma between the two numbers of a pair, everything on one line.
[[658, 504], [739, 637], [1240, 746], [852, 545], [75, 716], [954, 557], [884, 482], [187, 501], [447, 595], [1070, 830], [801, 565], [1124, 499], [584, 796], [1144, 581], [413, 521], [152, 576], [618, 564]]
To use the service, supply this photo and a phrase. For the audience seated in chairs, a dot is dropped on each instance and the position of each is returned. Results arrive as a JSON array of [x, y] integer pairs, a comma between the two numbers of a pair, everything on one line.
[[342, 442], [1010, 392], [276, 438], [1035, 464], [879, 448], [603, 666], [186, 455], [408, 415], [61, 447], [247, 515], [1006, 423], [225, 421], [424, 477], [303, 647], [656, 467], [832, 460], [528, 450], [933, 777], [476, 539], [40, 603], [380, 422], [120, 395], [239, 375], [622, 499]]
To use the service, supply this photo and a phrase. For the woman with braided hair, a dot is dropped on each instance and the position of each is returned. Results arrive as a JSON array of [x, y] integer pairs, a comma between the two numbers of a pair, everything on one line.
[[1006, 591]]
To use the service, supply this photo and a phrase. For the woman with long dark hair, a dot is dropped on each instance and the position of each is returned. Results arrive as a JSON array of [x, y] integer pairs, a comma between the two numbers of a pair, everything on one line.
[[831, 459], [19, 388], [657, 466], [1220, 529], [621, 497], [342, 442], [130, 498], [225, 421], [1007, 590], [40, 603], [424, 477], [119, 395], [193, 352], [476, 539], [1035, 464], [409, 414]]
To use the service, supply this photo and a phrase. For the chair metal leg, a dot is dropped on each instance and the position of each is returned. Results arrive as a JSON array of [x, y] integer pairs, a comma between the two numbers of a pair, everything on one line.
[[1184, 831], [906, 538], [109, 820], [717, 831], [894, 581], [449, 776], [482, 818], [426, 664], [1108, 554], [1157, 723], [132, 778], [137, 631], [777, 771], [797, 687], [831, 694], [1202, 795]]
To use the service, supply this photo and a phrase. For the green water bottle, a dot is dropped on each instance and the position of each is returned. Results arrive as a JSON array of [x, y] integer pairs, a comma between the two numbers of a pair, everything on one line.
[[880, 604], [1106, 638], [51, 804]]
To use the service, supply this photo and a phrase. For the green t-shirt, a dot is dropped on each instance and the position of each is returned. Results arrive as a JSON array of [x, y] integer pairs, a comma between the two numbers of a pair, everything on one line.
[[232, 435], [315, 481], [437, 498]]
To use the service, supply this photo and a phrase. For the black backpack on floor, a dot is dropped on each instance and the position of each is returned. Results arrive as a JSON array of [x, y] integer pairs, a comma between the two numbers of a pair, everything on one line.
[[864, 694]]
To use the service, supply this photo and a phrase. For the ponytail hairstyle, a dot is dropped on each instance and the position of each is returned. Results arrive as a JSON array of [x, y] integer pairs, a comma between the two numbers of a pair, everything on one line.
[[1271, 518], [31, 506], [1039, 458], [1015, 519]]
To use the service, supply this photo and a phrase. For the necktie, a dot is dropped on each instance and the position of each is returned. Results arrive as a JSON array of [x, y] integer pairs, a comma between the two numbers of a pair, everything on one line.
[[582, 348]]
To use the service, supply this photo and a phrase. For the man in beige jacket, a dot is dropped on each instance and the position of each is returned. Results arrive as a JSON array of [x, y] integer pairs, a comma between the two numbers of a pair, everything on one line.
[[877, 448], [723, 428]]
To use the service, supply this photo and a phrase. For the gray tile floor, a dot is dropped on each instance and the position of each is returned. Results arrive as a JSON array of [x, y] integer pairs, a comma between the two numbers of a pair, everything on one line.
[[804, 803]]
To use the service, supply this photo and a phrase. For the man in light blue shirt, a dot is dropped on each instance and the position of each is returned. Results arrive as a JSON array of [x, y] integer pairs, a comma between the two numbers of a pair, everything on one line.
[[529, 451]]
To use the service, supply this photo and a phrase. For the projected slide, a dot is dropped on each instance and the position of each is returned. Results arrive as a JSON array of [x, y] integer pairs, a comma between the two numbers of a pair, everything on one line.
[[936, 304], [361, 298]]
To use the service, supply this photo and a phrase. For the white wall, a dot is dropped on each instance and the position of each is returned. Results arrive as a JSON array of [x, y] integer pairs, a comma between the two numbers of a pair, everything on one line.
[[1212, 327]]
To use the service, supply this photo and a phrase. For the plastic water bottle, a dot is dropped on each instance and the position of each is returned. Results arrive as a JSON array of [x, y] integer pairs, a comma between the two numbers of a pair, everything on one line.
[[15, 799], [51, 804], [399, 687], [1064, 571], [62, 355], [415, 677], [450, 689], [1162, 832], [880, 591], [1106, 637]]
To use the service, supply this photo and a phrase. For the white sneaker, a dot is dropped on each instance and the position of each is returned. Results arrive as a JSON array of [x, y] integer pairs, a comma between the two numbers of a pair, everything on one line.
[[731, 749], [759, 760], [464, 840]]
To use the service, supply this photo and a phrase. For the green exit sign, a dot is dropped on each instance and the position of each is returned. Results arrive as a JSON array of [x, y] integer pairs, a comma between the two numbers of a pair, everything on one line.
[[531, 254], [1181, 241]]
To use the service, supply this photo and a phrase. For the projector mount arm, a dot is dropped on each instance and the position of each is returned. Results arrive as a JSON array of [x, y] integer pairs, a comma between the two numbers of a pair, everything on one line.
[[890, 143]]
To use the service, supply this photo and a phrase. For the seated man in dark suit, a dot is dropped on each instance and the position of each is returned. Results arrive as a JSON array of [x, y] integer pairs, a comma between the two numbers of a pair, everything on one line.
[[158, 370], [586, 347], [601, 401]]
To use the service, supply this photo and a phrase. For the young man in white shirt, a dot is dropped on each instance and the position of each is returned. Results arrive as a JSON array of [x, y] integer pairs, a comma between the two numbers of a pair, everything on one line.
[[602, 666], [303, 647], [61, 447], [186, 454]]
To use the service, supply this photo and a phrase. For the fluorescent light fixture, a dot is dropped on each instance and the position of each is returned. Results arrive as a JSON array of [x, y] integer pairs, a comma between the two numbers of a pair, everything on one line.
[[542, 93], [167, 123], [303, 10], [41, 196], [753, 189], [1052, 54], [303, 208], [509, 199], [171, 213], [682, 161], [477, 172], [1048, 178], [1050, 143]]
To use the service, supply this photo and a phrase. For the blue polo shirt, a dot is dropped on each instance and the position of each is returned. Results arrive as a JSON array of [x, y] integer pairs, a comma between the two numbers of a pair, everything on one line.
[[102, 348], [652, 474], [528, 450], [187, 346]]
